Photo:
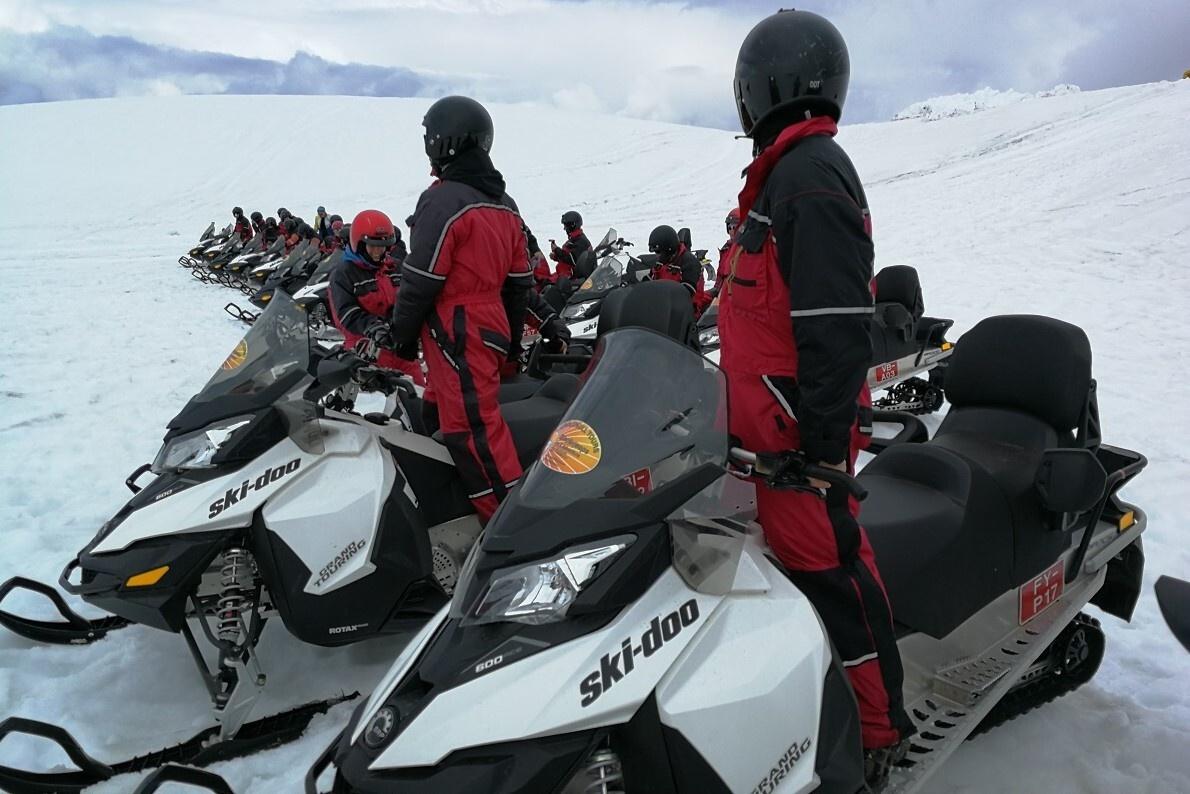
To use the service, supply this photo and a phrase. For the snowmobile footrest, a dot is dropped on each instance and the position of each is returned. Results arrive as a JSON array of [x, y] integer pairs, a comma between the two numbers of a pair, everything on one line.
[[201, 749], [73, 629], [190, 776]]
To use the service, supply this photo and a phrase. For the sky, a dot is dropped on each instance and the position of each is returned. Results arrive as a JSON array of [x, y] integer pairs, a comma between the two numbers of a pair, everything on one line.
[[666, 61]]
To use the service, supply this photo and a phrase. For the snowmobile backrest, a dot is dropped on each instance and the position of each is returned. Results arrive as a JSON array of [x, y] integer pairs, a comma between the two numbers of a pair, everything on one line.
[[684, 238], [900, 284], [1027, 363], [896, 318], [662, 306]]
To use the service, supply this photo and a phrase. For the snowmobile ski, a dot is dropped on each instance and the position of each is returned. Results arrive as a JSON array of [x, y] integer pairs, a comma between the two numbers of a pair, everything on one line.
[[199, 750], [187, 775], [73, 629]]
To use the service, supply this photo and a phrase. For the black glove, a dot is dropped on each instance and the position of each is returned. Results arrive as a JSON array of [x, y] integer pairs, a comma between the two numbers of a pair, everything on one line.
[[381, 333], [407, 351]]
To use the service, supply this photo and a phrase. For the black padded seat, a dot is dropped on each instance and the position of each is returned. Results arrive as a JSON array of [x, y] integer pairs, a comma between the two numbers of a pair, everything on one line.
[[533, 419], [941, 532], [519, 388]]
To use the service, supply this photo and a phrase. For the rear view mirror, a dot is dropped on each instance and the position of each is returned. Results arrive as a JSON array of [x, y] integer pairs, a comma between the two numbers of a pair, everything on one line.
[[1070, 480]]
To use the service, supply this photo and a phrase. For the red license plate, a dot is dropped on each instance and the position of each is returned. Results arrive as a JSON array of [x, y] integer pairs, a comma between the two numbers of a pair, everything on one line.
[[886, 371], [1040, 592]]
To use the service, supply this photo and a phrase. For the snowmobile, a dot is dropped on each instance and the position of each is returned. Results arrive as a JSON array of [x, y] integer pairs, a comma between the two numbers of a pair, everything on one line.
[[285, 271], [314, 299], [615, 264], [655, 645], [206, 240], [906, 345], [267, 504]]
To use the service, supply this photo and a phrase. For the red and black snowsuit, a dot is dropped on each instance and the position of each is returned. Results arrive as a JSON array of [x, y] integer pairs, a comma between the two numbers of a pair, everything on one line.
[[244, 228], [794, 313], [464, 288], [723, 268], [361, 294], [685, 269], [567, 256]]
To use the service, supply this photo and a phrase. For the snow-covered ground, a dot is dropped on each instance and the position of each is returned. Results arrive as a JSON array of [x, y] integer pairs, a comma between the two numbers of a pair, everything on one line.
[[1076, 206]]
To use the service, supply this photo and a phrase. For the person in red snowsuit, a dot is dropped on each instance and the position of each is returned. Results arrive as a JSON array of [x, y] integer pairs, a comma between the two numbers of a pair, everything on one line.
[[243, 226], [732, 222], [363, 288], [794, 315], [675, 262], [569, 254], [464, 290]]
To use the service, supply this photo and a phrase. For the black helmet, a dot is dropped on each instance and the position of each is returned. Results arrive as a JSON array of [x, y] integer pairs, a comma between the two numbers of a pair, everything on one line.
[[257, 217], [283, 213], [571, 221], [271, 222], [664, 242], [289, 225], [453, 125], [306, 231], [237, 211], [791, 61]]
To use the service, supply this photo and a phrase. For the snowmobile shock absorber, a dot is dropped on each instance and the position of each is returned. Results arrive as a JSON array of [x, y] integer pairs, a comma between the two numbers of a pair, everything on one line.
[[605, 773], [237, 567]]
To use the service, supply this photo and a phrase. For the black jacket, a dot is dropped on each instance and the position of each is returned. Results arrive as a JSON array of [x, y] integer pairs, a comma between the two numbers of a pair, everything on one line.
[[816, 202]]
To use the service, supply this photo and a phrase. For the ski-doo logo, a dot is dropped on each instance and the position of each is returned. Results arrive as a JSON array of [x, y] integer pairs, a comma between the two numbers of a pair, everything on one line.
[[350, 550], [234, 495], [785, 764], [614, 666]]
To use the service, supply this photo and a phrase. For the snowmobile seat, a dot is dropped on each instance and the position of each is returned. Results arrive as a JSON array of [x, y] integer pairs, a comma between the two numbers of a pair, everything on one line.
[[1023, 386], [900, 284], [685, 239], [533, 419], [518, 388], [899, 307], [662, 306]]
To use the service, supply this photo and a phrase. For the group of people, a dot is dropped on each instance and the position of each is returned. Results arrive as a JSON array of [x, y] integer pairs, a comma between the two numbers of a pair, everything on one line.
[[327, 229], [794, 310]]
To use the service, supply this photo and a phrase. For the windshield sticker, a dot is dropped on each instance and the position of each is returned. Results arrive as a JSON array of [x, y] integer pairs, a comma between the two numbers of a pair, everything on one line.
[[237, 356], [590, 282], [573, 448]]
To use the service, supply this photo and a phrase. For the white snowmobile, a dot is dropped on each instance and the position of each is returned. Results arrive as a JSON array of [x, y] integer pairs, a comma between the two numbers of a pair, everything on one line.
[[621, 626], [909, 350], [208, 239], [265, 503]]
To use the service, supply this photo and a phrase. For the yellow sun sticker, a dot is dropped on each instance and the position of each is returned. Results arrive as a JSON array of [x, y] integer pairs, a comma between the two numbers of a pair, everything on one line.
[[590, 282], [237, 356], [573, 448]]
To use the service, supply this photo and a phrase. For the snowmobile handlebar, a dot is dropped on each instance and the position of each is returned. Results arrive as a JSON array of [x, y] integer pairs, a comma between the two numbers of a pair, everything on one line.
[[790, 468]]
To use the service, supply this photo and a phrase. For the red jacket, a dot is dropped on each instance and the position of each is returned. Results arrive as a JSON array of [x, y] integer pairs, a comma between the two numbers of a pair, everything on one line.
[[686, 270]]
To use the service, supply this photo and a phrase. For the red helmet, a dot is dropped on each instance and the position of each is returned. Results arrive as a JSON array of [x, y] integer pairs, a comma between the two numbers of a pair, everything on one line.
[[371, 227], [733, 219]]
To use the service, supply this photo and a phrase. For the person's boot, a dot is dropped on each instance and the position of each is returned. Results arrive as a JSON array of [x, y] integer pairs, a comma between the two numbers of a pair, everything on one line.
[[879, 762]]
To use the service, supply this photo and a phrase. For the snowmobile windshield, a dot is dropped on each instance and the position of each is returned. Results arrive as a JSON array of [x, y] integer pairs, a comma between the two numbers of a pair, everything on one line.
[[323, 271], [607, 276], [607, 240], [611, 444]]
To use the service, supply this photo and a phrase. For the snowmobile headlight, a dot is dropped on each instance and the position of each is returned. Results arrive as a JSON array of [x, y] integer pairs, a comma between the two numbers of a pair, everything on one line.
[[542, 592], [709, 337], [579, 311], [195, 450]]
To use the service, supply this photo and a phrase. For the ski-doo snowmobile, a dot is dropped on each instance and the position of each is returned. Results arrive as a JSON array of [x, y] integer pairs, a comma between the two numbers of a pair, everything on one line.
[[615, 268], [284, 271], [909, 350], [621, 626], [314, 299], [207, 239]]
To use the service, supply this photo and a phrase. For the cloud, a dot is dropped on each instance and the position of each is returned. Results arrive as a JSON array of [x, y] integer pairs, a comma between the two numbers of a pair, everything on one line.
[[665, 60]]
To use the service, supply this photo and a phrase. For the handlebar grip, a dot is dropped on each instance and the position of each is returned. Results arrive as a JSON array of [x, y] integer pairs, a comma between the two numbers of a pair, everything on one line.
[[837, 479]]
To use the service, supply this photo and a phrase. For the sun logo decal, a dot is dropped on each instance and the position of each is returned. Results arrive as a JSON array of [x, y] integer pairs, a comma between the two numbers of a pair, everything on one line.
[[236, 357], [573, 448]]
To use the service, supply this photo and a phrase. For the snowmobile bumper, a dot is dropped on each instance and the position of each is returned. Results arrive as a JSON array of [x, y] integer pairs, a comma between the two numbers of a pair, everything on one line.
[[162, 604], [73, 629], [199, 750]]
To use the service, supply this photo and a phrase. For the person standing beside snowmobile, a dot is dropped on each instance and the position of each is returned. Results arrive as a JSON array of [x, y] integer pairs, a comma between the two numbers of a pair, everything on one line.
[[794, 315], [464, 288], [567, 255], [675, 262], [363, 288], [243, 228], [322, 224], [732, 222]]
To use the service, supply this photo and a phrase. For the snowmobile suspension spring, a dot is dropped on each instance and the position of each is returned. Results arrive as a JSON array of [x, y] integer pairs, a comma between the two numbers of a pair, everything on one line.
[[605, 773], [237, 566]]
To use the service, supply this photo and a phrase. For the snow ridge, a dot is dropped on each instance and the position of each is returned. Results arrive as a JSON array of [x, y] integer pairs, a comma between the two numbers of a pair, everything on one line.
[[943, 107]]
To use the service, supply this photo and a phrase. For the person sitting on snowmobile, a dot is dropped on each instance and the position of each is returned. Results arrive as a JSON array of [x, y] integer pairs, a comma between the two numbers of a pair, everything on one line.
[[398, 252], [243, 228], [464, 289], [794, 316], [363, 288], [567, 256], [675, 262], [334, 241], [296, 232], [322, 224], [283, 215], [271, 231], [538, 262], [257, 223], [732, 222]]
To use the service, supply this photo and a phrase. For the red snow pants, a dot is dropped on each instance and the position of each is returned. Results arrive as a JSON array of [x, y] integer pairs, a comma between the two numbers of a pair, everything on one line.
[[827, 555], [465, 344]]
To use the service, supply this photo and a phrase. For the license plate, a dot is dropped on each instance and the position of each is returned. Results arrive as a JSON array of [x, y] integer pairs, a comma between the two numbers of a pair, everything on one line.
[[886, 371], [1040, 592]]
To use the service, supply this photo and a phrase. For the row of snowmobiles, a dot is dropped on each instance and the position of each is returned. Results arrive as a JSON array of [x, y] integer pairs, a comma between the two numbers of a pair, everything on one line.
[[619, 625], [260, 269]]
